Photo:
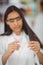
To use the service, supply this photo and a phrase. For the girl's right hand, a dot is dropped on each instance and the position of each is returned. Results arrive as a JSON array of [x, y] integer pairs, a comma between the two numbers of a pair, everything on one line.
[[13, 46]]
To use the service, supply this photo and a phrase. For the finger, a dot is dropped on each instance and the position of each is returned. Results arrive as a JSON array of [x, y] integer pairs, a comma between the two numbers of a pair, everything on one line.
[[34, 49], [33, 42], [31, 45]]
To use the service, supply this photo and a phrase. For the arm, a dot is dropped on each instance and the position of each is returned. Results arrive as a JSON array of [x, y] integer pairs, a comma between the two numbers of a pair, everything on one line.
[[11, 48], [35, 46], [5, 57], [1, 53], [40, 56]]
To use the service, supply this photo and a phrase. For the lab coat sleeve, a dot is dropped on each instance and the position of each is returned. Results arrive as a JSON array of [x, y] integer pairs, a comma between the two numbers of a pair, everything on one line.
[[1, 53], [2, 48]]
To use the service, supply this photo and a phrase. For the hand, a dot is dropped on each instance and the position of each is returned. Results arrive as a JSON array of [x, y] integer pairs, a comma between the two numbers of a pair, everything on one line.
[[34, 45], [13, 46]]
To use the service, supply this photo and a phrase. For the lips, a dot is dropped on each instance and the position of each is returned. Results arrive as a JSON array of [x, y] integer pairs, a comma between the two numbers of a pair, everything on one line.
[[17, 27]]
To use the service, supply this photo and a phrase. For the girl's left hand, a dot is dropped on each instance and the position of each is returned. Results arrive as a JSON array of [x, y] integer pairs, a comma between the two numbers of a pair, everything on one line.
[[34, 45]]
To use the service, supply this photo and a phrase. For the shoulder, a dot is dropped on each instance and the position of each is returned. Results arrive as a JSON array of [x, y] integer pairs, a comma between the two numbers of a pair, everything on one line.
[[4, 39]]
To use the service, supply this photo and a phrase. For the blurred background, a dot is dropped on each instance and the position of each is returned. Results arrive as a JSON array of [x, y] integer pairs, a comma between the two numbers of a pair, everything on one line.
[[32, 11]]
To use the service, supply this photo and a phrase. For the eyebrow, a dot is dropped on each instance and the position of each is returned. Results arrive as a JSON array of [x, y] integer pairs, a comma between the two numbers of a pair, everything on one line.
[[15, 18]]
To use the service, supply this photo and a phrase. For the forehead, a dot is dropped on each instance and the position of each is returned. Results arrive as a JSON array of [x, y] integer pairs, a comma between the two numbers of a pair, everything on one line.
[[13, 14]]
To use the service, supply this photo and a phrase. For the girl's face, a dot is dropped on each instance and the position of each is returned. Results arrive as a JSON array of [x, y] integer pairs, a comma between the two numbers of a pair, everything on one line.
[[15, 22]]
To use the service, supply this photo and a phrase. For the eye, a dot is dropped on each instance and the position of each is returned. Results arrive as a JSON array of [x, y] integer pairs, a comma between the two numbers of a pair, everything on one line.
[[18, 18], [12, 20]]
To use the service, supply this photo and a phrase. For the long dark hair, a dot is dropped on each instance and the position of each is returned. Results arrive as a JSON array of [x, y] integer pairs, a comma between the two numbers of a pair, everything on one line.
[[26, 28]]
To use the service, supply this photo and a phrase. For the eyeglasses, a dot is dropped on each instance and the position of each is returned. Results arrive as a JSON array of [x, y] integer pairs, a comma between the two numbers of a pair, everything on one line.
[[14, 19]]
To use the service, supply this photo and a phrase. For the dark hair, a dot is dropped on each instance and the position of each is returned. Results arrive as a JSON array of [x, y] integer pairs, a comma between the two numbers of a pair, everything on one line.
[[10, 9], [23, 11], [41, 4]]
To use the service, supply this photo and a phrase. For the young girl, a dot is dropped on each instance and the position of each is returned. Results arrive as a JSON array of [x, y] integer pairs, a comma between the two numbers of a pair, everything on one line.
[[14, 42]]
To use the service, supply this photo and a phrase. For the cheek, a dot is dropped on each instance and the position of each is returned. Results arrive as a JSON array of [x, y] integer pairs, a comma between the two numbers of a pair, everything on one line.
[[20, 24], [10, 25]]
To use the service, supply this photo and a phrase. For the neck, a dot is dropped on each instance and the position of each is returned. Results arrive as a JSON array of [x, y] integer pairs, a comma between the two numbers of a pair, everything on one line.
[[17, 33]]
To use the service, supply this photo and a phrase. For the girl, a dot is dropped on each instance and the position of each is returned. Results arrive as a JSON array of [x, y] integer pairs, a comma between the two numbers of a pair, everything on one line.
[[14, 43]]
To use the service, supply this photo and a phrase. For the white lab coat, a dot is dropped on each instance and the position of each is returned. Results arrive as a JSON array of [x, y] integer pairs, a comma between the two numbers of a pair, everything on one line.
[[24, 56]]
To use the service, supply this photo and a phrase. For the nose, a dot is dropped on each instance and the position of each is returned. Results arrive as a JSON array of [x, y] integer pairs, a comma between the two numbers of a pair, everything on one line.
[[15, 22]]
